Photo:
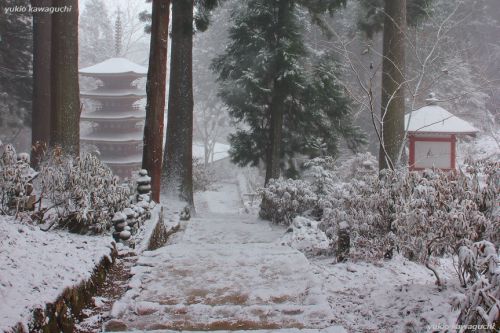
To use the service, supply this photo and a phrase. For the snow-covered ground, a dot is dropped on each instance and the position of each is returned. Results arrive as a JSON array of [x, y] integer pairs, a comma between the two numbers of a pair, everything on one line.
[[37, 266], [389, 296], [227, 271], [484, 146], [232, 271]]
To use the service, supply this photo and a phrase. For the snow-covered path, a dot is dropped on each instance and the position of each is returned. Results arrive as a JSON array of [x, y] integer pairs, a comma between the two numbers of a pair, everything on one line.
[[226, 272]]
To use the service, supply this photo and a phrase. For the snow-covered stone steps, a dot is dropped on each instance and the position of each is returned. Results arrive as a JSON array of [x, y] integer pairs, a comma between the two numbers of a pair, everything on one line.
[[193, 286], [241, 229], [331, 329], [227, 272]]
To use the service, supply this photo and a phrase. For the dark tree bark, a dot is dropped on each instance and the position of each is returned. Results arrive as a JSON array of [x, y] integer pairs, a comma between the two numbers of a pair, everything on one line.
[[41, 105], [65, 118], [155, 89], [393, 76], [177, 174], [273, 163]]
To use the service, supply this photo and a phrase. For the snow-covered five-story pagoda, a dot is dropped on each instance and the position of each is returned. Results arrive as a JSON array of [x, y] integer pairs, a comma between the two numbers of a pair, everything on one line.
[[115, 123]]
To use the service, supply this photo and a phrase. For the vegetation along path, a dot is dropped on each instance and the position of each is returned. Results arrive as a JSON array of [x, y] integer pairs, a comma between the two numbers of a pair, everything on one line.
[[225, 272]]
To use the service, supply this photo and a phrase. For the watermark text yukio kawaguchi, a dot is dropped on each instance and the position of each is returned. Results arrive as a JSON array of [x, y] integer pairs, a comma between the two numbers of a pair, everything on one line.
[[40, 9], [458, 327]]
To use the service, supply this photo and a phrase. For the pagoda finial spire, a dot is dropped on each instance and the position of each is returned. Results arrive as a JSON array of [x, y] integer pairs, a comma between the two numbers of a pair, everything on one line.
[[118, 33]]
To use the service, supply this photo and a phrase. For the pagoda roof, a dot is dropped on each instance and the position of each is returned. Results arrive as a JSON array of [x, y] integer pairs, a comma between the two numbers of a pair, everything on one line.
[[114, 93], [433, 119], [120, 160], [113, 137], [112, 116], [115, 67]]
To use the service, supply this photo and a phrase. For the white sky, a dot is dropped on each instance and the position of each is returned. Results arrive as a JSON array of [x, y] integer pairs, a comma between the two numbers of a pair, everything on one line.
[[112, 5]]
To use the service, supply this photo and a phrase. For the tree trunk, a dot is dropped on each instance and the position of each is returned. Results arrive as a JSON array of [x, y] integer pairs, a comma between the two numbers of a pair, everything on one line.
[[273, 163], [393, 77], [41, 105], [155, 89], [177, 174], [65, 118]]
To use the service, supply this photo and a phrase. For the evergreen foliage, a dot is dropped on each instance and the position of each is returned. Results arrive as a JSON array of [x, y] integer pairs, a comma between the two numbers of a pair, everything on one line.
[[268, 66], [203, 10], [95, 33], [202, 14], [15, 67]]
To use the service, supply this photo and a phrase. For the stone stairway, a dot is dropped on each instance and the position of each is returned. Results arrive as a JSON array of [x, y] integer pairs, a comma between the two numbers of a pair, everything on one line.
[[228, 272]]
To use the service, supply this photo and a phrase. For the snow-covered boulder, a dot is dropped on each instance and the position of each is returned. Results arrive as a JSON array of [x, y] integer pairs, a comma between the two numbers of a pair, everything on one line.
[[304, 235]]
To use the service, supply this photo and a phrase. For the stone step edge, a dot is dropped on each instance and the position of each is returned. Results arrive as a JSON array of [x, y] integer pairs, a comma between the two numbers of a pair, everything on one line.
[[330, 329]]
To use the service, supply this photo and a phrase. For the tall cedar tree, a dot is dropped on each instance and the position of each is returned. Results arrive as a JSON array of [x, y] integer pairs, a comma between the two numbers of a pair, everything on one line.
[[177, 170], [391, 16], [65, 119], [41, 105], [287, 105], [371, 16], [393, 83], [15, 68], [177, 173], [155, 89]]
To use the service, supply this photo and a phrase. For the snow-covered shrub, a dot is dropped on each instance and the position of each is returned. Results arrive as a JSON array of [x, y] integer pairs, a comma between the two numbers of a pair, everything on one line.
[[421, 214], [476, 260], [325, 173], [483, 179], [479, 268], [304, 235], [367, 208], [16, 178], [320, 173], [331, 182], [284, 199], [436, 215], [82, 193]]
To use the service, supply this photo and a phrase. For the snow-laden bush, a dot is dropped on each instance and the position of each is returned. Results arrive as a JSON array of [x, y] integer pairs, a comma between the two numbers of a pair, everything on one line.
[[16, 176], [421, 214], [368, 209], [483, 179], [284, 199], [437, 212], [479, 270], [82, 193], [304, 235], [325, 173]]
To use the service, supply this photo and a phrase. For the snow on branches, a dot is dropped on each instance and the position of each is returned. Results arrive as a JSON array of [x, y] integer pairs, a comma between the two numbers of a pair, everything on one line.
[[16, 178], [79, 194], [82, 193], [422, 215], [479, 270], [284, 199]]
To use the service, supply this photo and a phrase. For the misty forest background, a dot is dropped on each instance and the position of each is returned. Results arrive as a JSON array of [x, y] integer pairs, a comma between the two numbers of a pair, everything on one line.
[[464, 73], [304, 93]]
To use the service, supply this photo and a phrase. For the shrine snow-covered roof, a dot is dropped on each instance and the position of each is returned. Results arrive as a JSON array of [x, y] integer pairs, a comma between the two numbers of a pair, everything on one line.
[[115, 66], [435, 119]]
